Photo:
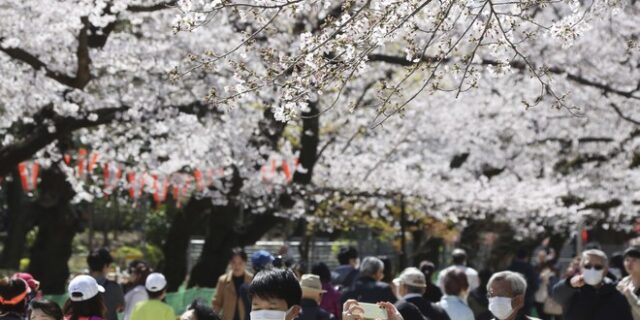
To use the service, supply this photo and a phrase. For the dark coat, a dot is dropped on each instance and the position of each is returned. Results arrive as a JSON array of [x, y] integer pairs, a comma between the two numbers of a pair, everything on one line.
[[409, 311], [590, 303], [343, 276], [433, 293], [428, 309], [367, 289], [312, 311]]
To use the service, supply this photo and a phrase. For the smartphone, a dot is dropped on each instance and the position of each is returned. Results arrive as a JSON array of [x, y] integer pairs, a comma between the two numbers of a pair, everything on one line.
[[373, 311]]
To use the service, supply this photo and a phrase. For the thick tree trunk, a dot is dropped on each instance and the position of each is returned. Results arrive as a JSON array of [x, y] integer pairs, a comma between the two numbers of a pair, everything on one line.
[[183, 224], [57, 224], [220, 240], [20, 222], [224, 235]]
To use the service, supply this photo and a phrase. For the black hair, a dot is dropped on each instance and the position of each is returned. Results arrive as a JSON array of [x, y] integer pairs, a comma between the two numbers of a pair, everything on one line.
[[522, 253], [202, 310], [346, 254], [322, 270], [459, 258], [10, 289], [49, 308], [278, 284], [155, 294], [98, 259], [141, 269], [92, 307], [617, 261], [238, 252], [427, 267]]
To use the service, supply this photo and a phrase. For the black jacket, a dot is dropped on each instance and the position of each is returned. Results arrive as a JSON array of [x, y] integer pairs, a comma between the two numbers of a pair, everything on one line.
[[589, 303], [433, 293], [312, 311], [428, 309], [343, 276], [409, 311], [367, 289]]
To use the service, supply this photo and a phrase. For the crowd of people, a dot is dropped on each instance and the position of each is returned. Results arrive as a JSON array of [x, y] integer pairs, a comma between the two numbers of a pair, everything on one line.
[[591, 288]]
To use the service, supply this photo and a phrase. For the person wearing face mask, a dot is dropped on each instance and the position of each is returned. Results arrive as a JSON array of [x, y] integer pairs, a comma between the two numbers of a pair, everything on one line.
[[368, 287], [589, 295], [506, 292], [630, 285], [275, 295], [456, 290], [411, 285]]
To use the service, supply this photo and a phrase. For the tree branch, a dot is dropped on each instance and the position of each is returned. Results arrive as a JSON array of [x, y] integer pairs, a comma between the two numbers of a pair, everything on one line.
[[40, 137], [83, 71], [37, 64], [624, 117], [156, 7]]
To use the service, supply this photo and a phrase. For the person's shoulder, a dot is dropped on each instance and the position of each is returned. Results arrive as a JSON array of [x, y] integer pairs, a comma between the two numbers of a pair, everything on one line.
[[225, 277], [471, 271]]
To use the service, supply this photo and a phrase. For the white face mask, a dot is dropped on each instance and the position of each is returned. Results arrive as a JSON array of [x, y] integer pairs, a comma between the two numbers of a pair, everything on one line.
[[500, 307], [267, 315], [592, 277]]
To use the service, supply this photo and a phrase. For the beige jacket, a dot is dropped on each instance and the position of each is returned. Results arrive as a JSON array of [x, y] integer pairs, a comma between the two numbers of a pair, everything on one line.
[[627, 288], [226, 299]]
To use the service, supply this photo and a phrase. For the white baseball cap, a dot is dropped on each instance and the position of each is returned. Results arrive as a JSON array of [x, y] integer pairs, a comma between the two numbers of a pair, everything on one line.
[[83, 288], [155, 282], [411, 277]]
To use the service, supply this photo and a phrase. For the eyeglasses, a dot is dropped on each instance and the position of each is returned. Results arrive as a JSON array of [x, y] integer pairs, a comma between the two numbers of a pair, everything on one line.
[[590, 266]]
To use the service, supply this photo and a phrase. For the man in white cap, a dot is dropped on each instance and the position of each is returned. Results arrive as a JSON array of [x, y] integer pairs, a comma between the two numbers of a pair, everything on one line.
[[459, 259], [411, 285], [154, 308], [311, 297]]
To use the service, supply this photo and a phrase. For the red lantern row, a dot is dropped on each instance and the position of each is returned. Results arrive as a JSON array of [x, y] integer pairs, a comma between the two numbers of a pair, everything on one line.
[[179, 184]]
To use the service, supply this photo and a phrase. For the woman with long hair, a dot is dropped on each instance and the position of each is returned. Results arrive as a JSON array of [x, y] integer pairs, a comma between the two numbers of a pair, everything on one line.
[[85, 300]]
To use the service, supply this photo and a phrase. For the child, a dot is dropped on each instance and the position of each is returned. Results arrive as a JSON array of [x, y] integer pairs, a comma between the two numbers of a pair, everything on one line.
[[154, 308], [275, 295]]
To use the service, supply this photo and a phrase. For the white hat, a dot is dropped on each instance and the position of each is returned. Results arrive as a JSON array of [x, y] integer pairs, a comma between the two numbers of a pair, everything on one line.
[[411, 277], [155, 282], [311, 282], [83, 288]]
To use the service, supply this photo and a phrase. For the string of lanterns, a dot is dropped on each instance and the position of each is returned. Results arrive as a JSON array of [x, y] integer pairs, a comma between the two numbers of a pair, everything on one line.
[[180, 184]]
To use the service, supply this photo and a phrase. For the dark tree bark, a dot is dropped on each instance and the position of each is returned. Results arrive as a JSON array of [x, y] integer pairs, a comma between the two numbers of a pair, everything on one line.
[[309, 138], [224, 235], [57, 224], [183, 224], [20, 222]]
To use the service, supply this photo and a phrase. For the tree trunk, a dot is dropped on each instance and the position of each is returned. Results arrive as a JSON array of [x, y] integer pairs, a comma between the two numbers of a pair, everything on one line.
[[57, 225], [220, 240], [20, 222], [183, 224], [223, 236]]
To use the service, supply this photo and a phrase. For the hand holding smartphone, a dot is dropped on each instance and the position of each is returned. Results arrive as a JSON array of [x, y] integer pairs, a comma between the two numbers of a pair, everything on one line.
[[373, 311]]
